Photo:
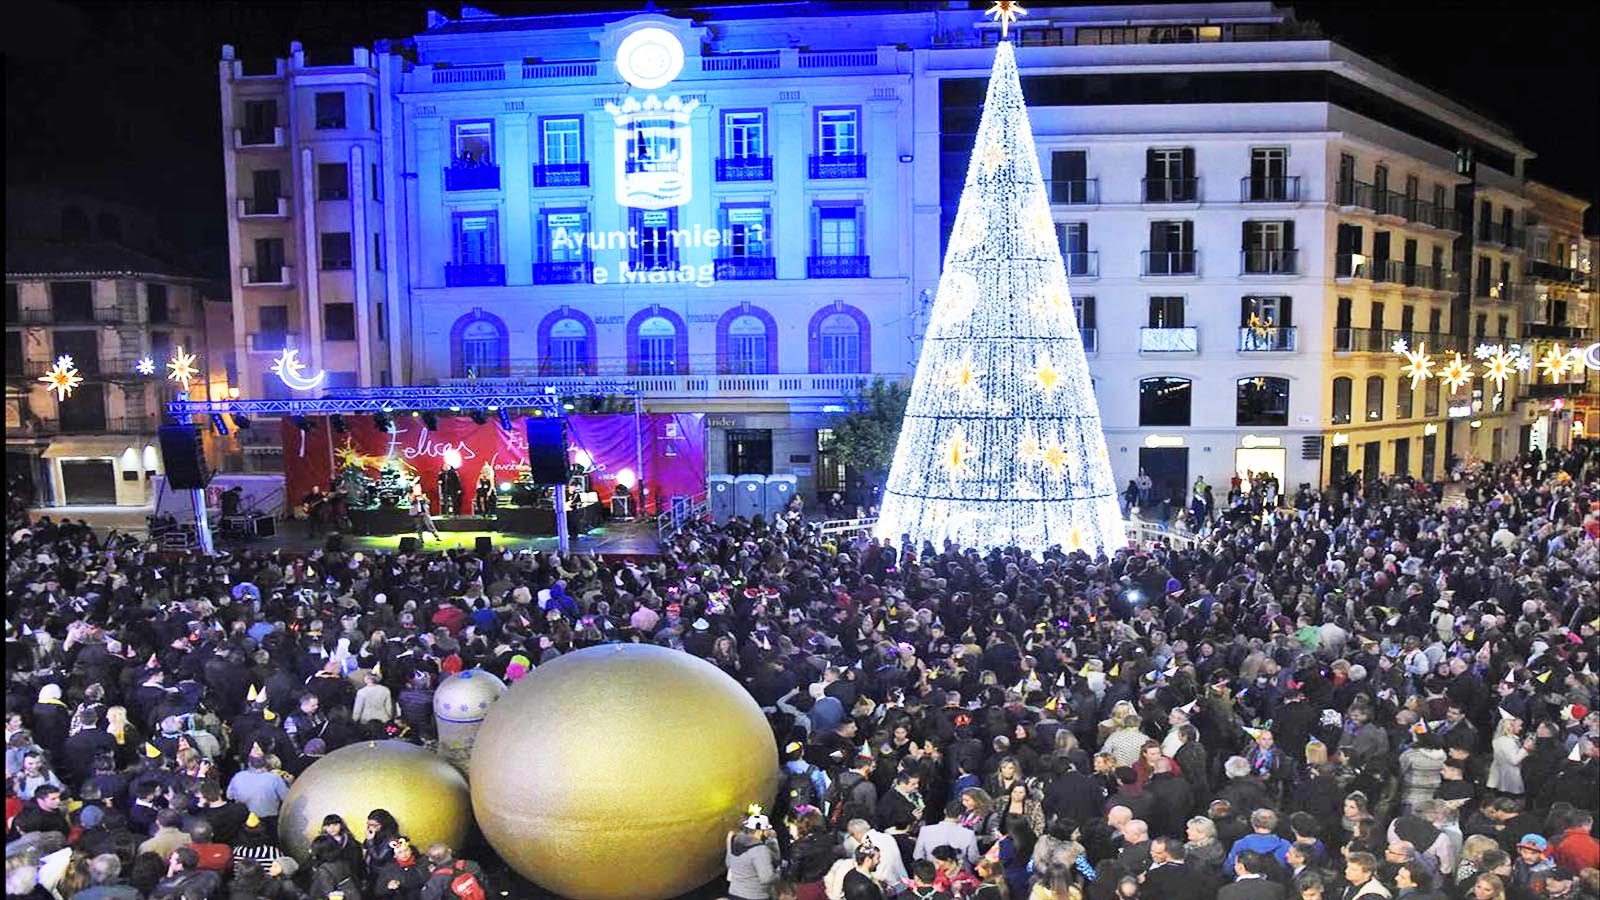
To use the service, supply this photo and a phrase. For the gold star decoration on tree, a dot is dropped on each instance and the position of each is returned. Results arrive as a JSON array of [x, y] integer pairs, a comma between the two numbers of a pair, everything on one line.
[[1419, 365], [1498, 366], [62, 378], [1053, 303], [1041, 225], [956, 453], [1456, 374], [993, 156], [1045, 374], [962, 374], [181, 367], [1555, 362], [1054, 457], [1028, 448], [1005, 12], [1075, 538]]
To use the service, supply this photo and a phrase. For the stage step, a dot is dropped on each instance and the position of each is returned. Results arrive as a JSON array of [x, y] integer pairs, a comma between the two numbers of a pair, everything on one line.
[[464, 523]]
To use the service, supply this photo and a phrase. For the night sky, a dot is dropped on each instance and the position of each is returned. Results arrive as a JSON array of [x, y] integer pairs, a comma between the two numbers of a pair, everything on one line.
[[120, 99]]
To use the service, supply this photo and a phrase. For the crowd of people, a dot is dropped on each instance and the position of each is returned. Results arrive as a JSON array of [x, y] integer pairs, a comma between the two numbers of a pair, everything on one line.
[[1365, 694]]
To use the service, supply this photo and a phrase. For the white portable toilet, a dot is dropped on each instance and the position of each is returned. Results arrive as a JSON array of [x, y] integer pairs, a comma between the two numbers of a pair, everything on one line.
[[749, 495], [719, 496], [780, 490]]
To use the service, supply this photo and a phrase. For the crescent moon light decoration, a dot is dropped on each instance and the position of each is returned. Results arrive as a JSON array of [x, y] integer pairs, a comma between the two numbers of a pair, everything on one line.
[[288, 367]]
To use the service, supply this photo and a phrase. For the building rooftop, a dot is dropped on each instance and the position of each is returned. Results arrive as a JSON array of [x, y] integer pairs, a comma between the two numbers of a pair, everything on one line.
[[88, 259]]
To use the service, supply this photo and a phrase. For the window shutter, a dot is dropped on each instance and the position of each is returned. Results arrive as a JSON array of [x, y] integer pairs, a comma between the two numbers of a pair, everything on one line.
[[1150, 168], [1288, 234], [1186, 236], [1188, 163], [1244, 236], [1285, 312], [1158, 237], [1246, 307]]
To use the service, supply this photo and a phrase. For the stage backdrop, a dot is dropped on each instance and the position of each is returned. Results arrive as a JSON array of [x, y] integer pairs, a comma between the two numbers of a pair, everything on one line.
[[673, 450]]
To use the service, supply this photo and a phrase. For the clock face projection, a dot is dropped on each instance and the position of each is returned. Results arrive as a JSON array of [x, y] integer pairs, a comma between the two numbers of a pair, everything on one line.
[[649, 58]]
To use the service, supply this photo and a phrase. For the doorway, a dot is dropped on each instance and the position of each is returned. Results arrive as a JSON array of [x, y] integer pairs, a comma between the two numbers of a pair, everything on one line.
[[1402, 456], [1272, 461], [749, 451], [1371, 454], [1168, 468], [88, 482], [1338, 464], [1430, 455]]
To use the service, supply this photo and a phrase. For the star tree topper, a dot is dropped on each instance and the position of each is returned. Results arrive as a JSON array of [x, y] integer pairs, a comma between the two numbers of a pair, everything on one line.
[[1006, 13], [62, 377]]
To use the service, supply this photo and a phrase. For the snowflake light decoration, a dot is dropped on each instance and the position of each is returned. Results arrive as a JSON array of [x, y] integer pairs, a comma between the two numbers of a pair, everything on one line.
[[62, 378], [1399, 347], [1456, 374], [1419, 365], [181, 367], [1484, 351], [145, 366], [1556, 362], [1498, 366]]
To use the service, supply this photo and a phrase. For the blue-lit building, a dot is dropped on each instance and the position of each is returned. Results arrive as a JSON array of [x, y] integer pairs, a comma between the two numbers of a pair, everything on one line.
[[742, 210]]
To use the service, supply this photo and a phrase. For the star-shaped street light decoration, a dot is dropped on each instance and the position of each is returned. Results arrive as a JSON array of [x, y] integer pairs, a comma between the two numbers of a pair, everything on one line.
[[1045, 374], [62, 378], [145, 366], [181, 367], [1419, 365], [1006, 12], [1498, 366], [1456, 374], [956, 454], [1555, 362]]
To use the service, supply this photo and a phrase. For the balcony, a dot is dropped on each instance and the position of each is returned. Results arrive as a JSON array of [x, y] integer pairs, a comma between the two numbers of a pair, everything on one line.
[[98, 316], [1351, 265], [1546, 271], [1446, 219], [1082, 263], [1091, 339], [1277, 189], [264, 208], [1169, 340], [1505, 292], [561, 175], [1386, 271], [1533, 390], [1171, 190], [1381, 340], [1355, 194], [1269, 262], [479, 177], [1391, 203], [839, 165], [579, 272], [1268, 339], [267, 276], [1080, 192], [1171, 262], [838, 266], [474, 275], [747, 268], [751, 168], [101, 425], [270, 341], [257, 138], [818, 388], [1428, 278]]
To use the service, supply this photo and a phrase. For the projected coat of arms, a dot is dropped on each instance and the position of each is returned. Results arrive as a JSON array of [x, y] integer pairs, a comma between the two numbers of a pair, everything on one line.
[[654, 143]]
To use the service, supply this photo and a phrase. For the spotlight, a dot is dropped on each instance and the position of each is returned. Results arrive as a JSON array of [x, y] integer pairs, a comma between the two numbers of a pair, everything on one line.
[[505, 419], [338, 423], [241, 422], [302, 423], [479, 416], [219, 423], [430, 421]]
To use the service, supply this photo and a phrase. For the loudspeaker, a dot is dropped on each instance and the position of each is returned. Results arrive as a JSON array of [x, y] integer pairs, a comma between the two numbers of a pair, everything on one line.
[[408, 544], [334, 544], [547, 450], [484, 545], [185, 459]]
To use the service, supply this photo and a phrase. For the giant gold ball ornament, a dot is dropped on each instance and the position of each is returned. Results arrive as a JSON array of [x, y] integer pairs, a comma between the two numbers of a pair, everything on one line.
[[616, 772], [459, 707], [427, 796]]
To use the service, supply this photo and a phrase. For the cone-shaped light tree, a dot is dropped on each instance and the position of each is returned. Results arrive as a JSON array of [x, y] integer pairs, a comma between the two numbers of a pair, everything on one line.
[[1001, 444]]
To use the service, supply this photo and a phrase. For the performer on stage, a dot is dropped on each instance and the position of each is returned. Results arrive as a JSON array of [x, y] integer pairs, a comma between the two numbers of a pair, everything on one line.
[[419, 513], [483, 500], [316, 509], [449, 491]]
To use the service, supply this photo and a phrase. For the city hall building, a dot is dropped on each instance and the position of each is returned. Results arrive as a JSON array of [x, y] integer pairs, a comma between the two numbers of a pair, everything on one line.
[[742, 211]]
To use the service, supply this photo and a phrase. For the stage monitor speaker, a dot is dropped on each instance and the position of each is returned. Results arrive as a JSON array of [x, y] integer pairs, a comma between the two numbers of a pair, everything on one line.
[[547, 450], [264, 526], [184, 458], [334, 544], [408, 544], [483, 546]]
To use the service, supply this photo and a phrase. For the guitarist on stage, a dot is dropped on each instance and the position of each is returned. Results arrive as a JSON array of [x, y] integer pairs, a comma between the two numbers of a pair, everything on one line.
[[316, 506]]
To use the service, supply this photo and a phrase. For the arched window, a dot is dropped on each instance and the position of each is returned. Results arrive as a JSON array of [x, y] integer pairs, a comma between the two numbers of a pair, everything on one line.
[[839, 344], [1164, 401], [479, 346], [1262, 401], [1404, 398], [747, 346], [1342, 387], [1375, 398], [658, 339], [568, 352]]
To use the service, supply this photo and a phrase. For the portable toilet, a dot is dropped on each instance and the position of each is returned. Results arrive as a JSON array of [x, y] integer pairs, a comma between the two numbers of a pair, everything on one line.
[[719, 494], [780, 490], [749, 495]]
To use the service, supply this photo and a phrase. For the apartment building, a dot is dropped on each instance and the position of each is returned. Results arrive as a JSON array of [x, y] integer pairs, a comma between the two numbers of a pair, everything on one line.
[[1560, 310], [742, 211]]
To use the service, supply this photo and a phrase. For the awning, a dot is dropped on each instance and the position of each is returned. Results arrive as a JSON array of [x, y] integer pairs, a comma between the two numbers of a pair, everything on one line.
[[95, 446]]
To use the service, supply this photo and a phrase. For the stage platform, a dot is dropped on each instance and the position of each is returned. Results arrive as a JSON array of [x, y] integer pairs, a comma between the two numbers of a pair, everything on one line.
[[612, 539], [520, 520]]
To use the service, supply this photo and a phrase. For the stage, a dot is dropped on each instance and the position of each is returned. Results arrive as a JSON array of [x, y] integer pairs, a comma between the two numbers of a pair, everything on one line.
[[634, 539], [519, 520]]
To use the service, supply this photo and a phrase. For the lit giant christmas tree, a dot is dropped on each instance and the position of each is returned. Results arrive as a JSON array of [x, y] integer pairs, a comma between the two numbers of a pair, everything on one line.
[[1001, 444]]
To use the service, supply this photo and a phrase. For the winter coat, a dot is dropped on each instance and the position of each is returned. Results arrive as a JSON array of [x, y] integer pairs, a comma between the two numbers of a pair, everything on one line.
[[752, 866], [1419, 774], [1505, 773]]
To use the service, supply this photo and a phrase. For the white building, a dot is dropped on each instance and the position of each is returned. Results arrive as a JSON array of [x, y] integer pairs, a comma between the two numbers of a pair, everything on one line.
[[743, 211]]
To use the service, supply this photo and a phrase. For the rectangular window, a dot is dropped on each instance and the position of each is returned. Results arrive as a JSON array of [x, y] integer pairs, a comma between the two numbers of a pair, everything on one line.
[[1069, 177], [377, 252], [1404, 398], [260, 118], [377, 313], [1166, 312], [747, 229], [14, 360], [744, 134], [339, 321], [330, 110], [333, 181], [377, 186], [561, 141], [336, 250], [156, 303], [272, 328], [838, 231], [1435, 321], [13, 303], [72, 301], [1269, 162], [1430, 398], [1486, 286], [1169, 175], [477, 239], [372, 112], [472, 144], [1502, 326], [266, 187], [838, 132], [1170, 237], [161, 345], [656, 249], [82, 344], [1485, 219], [561, 235], [1265, 312], [1075, 253]]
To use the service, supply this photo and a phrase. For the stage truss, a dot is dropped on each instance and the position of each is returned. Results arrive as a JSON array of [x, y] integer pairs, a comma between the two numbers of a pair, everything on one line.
[[543, 399]]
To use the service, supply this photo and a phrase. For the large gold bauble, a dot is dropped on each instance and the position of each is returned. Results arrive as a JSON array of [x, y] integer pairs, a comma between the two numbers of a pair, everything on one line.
[[427, 796], [615, 772]]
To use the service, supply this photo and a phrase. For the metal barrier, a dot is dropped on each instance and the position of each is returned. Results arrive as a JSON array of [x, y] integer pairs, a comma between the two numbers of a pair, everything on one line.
[[846, 526]]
